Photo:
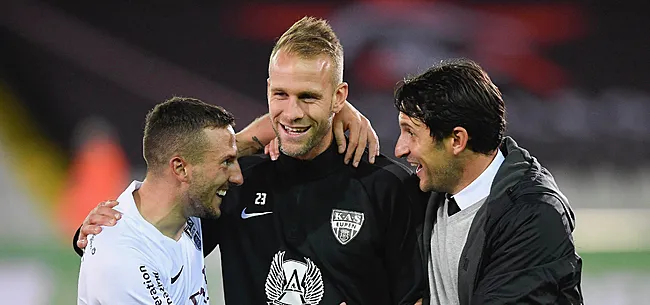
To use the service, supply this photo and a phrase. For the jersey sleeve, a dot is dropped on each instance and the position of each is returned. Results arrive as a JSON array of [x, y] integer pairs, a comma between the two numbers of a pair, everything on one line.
[[130, 278]]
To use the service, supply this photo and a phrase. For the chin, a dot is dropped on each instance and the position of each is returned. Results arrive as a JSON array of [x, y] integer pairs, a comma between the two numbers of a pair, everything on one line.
[[293, 150], [210, 214], [425, 186]]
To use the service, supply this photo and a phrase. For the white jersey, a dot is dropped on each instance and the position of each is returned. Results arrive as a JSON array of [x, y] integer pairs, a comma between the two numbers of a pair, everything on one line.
[[134, 263]]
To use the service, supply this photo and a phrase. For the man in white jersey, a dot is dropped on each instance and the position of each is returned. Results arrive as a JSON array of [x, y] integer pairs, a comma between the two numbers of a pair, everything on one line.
[[154, 254]]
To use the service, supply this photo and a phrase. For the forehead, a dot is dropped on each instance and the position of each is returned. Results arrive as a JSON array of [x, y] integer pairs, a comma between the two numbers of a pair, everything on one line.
[[293, 72], [222, 140], [407, 121]]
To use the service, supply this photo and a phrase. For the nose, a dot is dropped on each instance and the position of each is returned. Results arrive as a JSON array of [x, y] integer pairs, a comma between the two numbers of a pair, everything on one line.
[[236, 176], [293, 110], [401, 149]]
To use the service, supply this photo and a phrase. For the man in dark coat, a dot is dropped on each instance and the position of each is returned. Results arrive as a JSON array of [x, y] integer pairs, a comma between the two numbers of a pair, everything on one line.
[[497, 228]]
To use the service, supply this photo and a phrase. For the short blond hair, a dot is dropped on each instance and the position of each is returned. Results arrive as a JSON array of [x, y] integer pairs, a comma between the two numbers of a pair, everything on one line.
[[310, 37]]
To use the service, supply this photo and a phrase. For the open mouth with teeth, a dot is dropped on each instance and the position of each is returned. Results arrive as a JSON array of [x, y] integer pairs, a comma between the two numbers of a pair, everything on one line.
[[295, 130], [418, 167], [221, 193]]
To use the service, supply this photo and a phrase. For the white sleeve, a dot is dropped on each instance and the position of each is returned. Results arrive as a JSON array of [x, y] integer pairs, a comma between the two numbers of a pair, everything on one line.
[[129, 278]]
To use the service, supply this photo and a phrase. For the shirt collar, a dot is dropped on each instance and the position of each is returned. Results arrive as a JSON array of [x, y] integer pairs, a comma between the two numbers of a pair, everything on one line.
[[480, 187], [297, 170]]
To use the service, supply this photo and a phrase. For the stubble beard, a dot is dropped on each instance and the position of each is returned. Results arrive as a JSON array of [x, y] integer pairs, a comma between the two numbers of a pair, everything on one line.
[[197, 208], [312, 141]]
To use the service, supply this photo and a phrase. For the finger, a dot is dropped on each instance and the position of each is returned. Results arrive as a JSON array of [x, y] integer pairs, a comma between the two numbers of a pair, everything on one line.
[[88, 230], [339, 135], [353, 142], [360, 149], [275, 149], [101, 220], [81, 243], [106, 212], [266, 149], [108, 203], [373, 145]]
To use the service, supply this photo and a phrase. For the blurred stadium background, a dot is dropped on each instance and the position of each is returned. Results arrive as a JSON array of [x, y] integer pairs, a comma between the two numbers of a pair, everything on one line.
[[77, 78]]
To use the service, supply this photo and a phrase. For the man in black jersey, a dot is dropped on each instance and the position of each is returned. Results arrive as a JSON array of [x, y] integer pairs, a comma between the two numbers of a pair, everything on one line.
[[307, 228]]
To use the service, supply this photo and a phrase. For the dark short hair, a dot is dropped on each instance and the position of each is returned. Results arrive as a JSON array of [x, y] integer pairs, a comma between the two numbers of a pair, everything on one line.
[[455, 93], [176, 127]]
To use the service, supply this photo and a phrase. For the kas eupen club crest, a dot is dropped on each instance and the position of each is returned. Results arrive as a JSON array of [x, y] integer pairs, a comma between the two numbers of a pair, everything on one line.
[[346, 225]]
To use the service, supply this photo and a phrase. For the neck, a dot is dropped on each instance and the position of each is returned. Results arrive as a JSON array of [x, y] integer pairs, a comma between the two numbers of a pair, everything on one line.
[[159, 206], [322, 146], [475, 165]]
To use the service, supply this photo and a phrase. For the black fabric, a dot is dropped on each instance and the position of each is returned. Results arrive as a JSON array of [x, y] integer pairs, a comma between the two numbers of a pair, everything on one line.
[[78, 250], [452, 206], [519, 248], [380, 265]]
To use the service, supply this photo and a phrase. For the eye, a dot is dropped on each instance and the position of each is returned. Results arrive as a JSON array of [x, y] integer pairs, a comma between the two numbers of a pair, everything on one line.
[[309, 98], [280, 94]]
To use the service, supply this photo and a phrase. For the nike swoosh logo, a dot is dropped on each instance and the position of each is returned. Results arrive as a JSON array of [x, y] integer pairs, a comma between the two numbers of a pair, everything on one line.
[[175, 278], [244, 215]]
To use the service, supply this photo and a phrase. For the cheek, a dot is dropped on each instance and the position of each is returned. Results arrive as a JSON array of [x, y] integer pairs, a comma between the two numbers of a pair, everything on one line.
[[275, 109], [430, 158], [320, 111], [219, 176]]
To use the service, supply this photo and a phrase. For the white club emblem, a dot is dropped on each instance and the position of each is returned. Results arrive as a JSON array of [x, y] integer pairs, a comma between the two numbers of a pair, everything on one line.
[[292, 282], [346, 225]]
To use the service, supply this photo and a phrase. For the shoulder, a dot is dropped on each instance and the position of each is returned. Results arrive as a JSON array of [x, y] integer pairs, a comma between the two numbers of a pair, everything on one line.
[[385, 169], [531, 196], [253, 162], [121, 262], [387, 177], [125, 241], [534, 220], [124, 276], [541, 199]]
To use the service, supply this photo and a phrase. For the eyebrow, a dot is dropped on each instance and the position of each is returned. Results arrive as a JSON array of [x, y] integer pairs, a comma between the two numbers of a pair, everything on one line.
[[229, 156], [404, 124]]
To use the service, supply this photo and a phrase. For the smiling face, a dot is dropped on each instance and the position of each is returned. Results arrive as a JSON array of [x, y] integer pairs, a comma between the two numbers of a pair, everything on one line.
[[211, 177], [302, 102], [435, 164]]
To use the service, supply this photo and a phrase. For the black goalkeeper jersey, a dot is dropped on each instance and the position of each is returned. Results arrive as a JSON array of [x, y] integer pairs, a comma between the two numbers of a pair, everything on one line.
[[320, 232]]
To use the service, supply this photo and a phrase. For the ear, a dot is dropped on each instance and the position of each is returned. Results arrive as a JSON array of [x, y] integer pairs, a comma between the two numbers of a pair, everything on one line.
[[268, 88], [459, 138], [340, 95], [179, 168]]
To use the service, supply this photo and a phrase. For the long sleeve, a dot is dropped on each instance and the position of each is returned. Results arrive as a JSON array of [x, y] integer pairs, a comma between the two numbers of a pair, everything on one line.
[[532, 260]]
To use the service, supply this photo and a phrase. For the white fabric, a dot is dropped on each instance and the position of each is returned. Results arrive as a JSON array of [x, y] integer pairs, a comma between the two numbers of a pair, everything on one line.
[[134, 263], [480, 187]]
